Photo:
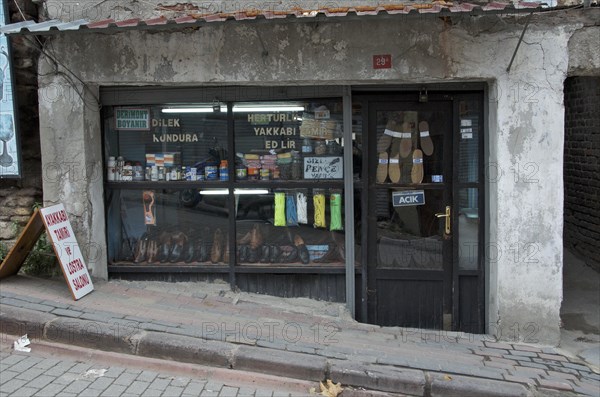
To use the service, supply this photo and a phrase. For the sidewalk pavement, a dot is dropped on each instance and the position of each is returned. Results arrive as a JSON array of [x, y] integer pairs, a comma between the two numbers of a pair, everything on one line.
[[297, 338]]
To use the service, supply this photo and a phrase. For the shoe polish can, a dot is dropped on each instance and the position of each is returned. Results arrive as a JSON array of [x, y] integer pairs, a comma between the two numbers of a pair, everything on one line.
[[307, 146], [241, 173], [211, 172], [138, 172], [110, 169], [265, 174], [223, 171]]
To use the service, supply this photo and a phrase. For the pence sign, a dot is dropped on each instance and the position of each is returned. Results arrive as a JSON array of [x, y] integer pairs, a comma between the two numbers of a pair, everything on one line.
[[323, 167], [67, 250]]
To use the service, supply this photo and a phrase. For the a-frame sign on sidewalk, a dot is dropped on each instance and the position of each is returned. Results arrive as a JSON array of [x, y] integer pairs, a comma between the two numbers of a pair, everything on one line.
[[54, 219]]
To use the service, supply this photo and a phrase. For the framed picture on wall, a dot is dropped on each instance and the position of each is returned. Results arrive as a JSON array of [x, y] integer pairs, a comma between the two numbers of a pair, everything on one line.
[[10, 150]]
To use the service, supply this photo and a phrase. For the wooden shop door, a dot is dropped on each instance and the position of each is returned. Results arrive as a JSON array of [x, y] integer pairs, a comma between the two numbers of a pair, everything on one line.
[[410, 249]]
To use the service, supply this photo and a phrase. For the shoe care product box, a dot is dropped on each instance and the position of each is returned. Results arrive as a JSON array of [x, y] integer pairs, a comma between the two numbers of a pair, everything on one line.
[[172, 159], [150, 160], [160, 159], [167, 159]]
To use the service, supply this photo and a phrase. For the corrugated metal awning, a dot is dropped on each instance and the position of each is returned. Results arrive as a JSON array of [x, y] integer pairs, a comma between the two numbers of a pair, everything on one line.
[[196, 19]]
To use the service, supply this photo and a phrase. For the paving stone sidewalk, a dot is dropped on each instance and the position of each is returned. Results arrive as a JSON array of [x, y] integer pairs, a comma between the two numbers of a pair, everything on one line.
[[207, 324], [27, 374]]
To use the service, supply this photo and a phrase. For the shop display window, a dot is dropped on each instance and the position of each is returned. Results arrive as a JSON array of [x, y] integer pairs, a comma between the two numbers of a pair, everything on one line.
[[167, 227], [297, 227], [184, 180]]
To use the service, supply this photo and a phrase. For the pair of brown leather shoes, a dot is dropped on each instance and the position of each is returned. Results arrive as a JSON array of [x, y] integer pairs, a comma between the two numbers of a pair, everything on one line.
[[178, 242], [152, 251], [217, 249], [141, 249]]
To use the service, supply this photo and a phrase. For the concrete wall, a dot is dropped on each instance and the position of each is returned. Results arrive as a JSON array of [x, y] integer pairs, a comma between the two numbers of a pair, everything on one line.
[[582, 168], [525, 130]]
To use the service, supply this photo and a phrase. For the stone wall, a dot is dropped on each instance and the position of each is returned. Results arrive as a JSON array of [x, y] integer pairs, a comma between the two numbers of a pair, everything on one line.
[[18, 196], [582, 168]]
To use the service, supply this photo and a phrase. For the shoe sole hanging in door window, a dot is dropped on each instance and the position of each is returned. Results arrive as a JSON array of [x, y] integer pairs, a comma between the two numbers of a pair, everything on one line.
[[416, 174], [394, 161], [426, 142], [382, 167]]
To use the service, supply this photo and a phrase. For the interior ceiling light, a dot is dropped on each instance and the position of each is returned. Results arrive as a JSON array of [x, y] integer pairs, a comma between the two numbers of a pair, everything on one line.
[[213, 192], [193, 110], [236, 108]]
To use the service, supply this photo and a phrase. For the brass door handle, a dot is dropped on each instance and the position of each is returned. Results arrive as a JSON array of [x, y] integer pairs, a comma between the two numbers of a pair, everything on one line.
[[446, 215]]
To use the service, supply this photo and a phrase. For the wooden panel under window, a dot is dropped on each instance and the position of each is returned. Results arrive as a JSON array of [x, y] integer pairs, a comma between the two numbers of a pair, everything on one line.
[[410, 303]]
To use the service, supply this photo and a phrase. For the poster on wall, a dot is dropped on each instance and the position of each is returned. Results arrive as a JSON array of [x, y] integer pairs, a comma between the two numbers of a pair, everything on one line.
[[10, 160]]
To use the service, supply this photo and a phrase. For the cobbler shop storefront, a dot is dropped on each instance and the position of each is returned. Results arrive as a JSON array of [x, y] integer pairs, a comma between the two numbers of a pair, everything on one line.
[[364, 156]]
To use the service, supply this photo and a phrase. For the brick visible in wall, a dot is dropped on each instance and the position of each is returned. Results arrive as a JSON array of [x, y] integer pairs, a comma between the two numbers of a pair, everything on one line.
[[582, 168]]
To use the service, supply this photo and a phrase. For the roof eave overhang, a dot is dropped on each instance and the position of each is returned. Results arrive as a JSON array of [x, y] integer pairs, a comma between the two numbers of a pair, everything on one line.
[[82, 26]]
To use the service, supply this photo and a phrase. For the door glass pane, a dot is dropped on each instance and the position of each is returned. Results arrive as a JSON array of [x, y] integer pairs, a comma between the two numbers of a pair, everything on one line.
[[468, 140], [468, 229], [409, 236], [409, 146]]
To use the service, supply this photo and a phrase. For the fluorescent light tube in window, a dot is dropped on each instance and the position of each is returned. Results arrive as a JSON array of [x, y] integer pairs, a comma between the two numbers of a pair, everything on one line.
[[238, 109], [251, 191], [192, 110], [273, 108], [210, 192]]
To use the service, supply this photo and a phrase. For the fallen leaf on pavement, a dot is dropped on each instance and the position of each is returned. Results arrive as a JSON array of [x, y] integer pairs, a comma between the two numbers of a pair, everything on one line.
[[330, 389]]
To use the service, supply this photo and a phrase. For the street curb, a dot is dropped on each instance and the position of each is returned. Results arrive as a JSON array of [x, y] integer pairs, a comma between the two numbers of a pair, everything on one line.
[[465, 386], [16, 321], [283, 363], [90, 334], [194, 350], [185, 348], [392, 379]]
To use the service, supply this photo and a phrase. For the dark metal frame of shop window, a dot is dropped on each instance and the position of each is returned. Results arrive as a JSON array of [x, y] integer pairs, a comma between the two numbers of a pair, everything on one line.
[[455, 92]]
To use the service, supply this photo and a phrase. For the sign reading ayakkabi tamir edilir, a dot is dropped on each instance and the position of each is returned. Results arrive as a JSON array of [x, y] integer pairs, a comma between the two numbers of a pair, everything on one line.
[[132, 119]]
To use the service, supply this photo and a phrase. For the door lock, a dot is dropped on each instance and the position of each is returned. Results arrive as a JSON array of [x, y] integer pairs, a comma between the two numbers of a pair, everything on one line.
[[446, 215]]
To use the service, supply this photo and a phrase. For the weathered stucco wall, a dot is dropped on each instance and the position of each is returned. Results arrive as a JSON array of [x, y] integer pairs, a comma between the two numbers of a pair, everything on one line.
[[72, 160], [525, 137]]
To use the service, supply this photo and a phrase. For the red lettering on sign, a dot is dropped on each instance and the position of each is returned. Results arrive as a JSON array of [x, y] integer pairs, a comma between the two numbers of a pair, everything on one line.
[[62, 233], [382, 61], [81, 281], [56, 217], [75, 266]]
